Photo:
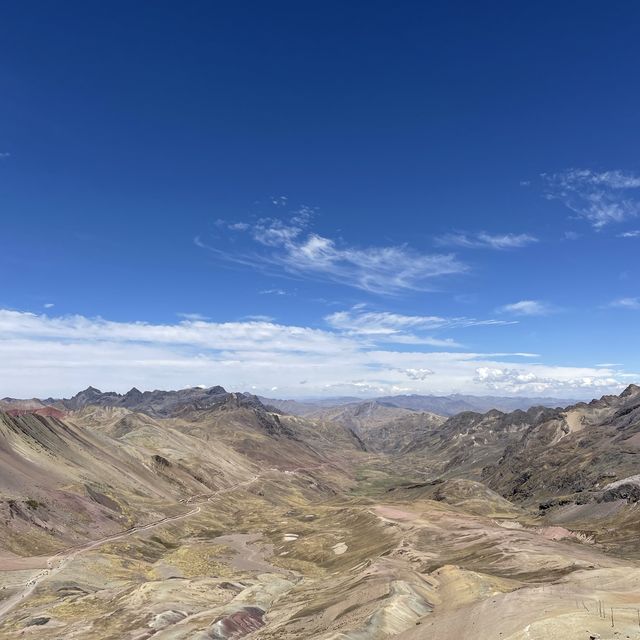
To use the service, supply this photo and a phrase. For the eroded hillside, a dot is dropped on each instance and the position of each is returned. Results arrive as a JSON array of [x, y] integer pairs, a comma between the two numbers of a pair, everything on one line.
[[205, 514]]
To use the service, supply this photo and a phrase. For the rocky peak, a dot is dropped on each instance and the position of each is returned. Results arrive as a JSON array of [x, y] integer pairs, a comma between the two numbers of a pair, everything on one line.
[[132, 397], [215, 391], [89, 391], [631, 390]]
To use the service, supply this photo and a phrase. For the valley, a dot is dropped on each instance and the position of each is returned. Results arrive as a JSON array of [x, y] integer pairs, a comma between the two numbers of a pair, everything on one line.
[[202, 514]]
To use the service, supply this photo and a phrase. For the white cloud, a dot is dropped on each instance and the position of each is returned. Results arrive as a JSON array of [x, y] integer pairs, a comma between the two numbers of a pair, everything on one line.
[[527, 308], [417, 374], [48, 305], [385, 326], [43, 355], [527, 381], [357, 320], [626, 303], [192, 316], [601, 198], [430, 341], [630, 234], [291, 247], [195, 333], [231, 226], [273, 292], [238, 226], [485, 240]]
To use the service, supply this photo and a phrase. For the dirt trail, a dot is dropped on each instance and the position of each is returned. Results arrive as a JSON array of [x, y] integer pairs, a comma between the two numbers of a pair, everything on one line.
[[57, 562]]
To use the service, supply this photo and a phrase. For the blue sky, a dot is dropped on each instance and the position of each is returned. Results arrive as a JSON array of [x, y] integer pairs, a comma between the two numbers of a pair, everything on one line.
[[340, 198]]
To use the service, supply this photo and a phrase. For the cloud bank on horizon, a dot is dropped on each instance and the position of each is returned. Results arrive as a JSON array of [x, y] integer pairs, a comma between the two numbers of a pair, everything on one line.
[[353, 355]]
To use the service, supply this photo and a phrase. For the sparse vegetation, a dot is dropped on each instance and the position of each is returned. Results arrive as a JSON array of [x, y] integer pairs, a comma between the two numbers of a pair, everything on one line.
[[341, 540]]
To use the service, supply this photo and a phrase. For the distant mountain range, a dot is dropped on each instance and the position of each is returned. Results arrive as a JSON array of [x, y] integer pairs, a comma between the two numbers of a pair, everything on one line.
[[441, 405], [163, 403], [155, 403], [381, 426]]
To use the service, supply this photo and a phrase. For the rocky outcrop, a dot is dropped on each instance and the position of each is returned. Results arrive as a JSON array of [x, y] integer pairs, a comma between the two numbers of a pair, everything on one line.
[[381, 427], [626, 489], [162, 403], [570, 452]]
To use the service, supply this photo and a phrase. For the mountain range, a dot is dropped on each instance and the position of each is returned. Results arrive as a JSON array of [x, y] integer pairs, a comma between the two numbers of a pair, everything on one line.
[[441, 405], [207, 514]]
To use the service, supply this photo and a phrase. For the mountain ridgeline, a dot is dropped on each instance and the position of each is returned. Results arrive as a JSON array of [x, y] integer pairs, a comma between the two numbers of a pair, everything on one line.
[[575, 448], [160, 403], [193, 513], [440, 405]]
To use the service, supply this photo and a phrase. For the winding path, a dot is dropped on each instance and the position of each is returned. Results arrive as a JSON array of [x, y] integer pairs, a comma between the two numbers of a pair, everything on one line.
[[57, 562]]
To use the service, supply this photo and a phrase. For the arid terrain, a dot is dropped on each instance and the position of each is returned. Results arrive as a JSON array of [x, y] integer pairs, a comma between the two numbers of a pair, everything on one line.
[[202, 514]]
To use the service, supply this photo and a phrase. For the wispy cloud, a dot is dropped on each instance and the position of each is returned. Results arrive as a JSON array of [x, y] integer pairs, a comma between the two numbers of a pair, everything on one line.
[[386, 326], [57, 355], [626, 303], [528, 308], [601, 198], [273, 292], [630, 234], [279, 201], [238, 226], [291, 247], [363, 322], [195, 331], [192, 316], [4, 155], [485, 240]]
